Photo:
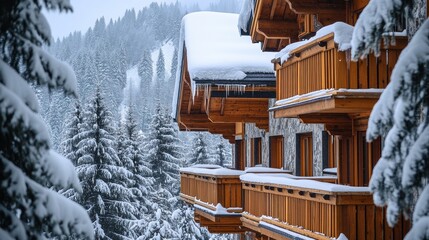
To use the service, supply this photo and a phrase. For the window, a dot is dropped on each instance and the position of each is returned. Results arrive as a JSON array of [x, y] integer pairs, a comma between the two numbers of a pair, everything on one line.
[[304, 154], [276, 151], [328, 150], [240, 154], [256, 151]]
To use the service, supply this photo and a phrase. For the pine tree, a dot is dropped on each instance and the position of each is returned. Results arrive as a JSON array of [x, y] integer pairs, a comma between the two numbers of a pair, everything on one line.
[[29, 169], [186, 226], [73, 129], [133, 153], [223, 158], [400, 177], [158, 228], [160, 73], [145, 71], [200, 154], [105, 181], [164, 153]]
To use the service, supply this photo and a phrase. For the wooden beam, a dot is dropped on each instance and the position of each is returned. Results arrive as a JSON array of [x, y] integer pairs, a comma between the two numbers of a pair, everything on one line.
[[331, 105], [277, 29], [334, 118], [316, 6], [226, 229], [217, 118]]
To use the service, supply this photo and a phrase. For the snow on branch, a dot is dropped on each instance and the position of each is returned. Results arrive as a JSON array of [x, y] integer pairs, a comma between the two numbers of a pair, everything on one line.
[[19, 115], [416, 161], [46, 69], [61, 5], [62, 215], [15, 83], [420, 230], [378, 17], [61, 171]]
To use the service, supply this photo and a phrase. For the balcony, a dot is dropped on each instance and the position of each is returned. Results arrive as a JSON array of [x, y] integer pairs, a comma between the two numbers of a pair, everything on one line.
[[318, 77], [216, 196], [283, 208]]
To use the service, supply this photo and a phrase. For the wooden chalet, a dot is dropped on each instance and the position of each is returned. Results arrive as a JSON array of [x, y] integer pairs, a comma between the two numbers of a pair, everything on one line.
[[224, 81], [301, 158]]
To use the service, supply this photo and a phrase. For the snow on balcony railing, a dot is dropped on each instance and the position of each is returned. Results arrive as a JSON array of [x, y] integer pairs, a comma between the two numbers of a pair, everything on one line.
[[294, 182], [327, 93], [211, 170], [211, 185], [266, 170], [342, 36]]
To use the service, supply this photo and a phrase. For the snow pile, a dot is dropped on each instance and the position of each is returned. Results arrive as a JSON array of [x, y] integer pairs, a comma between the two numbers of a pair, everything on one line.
[[342, 237], [212, 172], [285, 232], [330, 170], [265, 170], [304, 184], [218, 210], [342, 36], [206, 166]]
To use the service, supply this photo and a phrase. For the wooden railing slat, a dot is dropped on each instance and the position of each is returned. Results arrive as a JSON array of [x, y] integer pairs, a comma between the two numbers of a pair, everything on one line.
[[317, 68]]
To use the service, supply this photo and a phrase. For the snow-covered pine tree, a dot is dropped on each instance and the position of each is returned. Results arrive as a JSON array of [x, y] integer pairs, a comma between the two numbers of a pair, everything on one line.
[[145, 71], [164, 150], [105, 181], [29, 209], [187, 229], [160, 75], [158, 228], [199, 154], [223, 156], [71, 138], [400, 177], [133, 152], [173, 70], [164, 156]]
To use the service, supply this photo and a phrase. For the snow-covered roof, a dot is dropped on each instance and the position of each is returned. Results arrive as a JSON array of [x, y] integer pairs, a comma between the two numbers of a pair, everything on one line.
[[216, 51], [342, 36], [283, 179]]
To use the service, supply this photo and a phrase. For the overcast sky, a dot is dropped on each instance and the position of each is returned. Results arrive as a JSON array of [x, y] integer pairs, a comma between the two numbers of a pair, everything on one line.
[[86, 12]]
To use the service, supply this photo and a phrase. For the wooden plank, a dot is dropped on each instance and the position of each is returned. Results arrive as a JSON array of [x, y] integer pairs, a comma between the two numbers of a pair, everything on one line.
[[277, 29], [370, 222], [316, 7], [361, 232]]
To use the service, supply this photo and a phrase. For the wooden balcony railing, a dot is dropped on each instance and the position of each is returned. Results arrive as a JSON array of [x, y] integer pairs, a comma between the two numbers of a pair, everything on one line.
[[320, 65], [212, 186], [316, 209]]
